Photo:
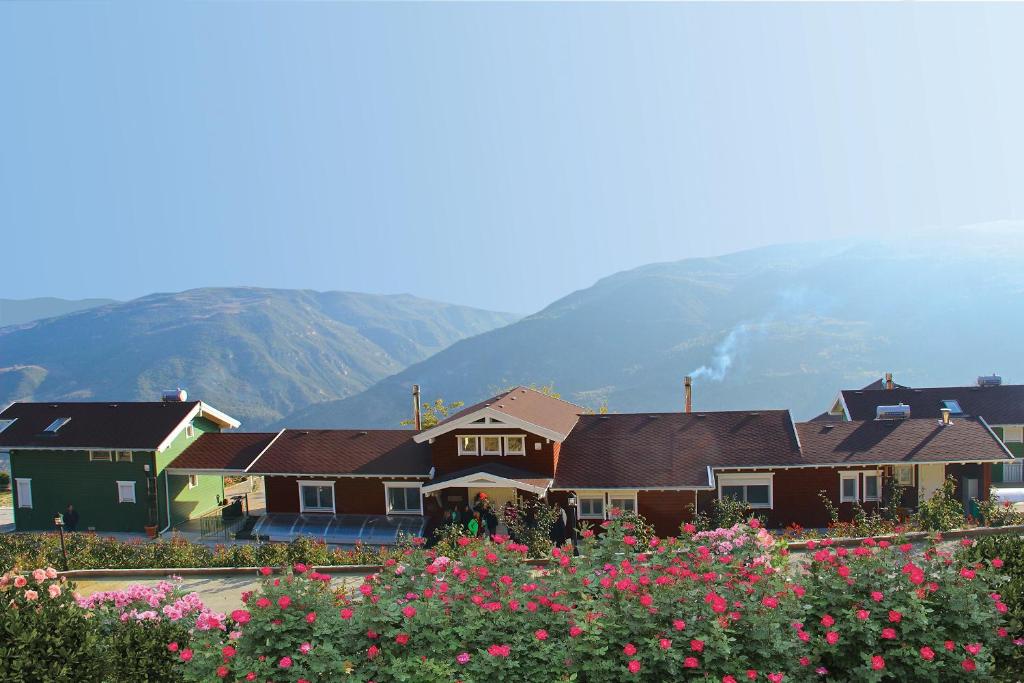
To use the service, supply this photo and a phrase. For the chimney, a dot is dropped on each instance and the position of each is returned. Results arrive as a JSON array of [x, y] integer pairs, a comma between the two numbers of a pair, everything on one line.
[[688, 393], [888, 381], [416, 407], [945, 415]]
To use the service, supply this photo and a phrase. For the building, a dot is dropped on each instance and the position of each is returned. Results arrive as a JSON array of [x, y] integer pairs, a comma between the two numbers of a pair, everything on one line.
[[999, 405], [110, 461], [523, 443]]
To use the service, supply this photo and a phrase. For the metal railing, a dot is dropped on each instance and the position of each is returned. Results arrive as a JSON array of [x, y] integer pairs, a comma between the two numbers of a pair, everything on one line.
[[214, 524]]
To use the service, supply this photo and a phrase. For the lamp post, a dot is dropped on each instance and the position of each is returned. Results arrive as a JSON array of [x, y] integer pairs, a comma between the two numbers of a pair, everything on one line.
[[572, 524], [58, 521]]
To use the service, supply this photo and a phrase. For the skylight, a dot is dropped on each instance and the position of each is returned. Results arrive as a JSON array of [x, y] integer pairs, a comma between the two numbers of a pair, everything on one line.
[[57, 424], [4, 424], [953, 406]]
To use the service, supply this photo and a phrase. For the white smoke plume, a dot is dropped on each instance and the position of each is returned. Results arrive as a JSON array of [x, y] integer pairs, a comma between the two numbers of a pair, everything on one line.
[[723, 355]]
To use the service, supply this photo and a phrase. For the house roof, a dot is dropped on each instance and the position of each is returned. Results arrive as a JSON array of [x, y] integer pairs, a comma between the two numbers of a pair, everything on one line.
[[223, 451], [491, 474], [911, 440], [998, 405], [671, 450], [388, 452], [526, 408], [135, 425]]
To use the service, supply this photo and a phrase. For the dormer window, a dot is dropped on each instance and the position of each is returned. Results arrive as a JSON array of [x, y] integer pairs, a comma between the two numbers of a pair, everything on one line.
[[57, 424], [953, 406], [490, 445], [467, 445]]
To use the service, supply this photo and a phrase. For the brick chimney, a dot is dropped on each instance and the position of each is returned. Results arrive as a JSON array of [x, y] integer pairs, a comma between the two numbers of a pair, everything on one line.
[[888, 381], [416, 421], [688, 393]]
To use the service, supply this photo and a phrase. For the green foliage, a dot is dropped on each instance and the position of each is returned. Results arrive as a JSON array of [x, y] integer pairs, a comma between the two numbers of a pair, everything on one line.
[[942, 511], [530, 522], [722, 514], [91, 551], [882, 521], [5, 481], [433, 412]]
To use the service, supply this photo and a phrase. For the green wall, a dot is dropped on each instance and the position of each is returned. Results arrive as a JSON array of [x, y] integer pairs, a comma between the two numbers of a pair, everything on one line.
[[187, 503], [1016, 448], [62, 477]]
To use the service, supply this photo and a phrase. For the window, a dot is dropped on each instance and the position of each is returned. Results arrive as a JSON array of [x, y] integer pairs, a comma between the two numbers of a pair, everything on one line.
[[57, 424], [467, 445], [126, 492], [903, 475], [316, 496], [24, 490], [490, 445], [4, 424], [849, 487], [403, 499], [872, 486], [103, 456], [621, 502], [124, 456], [190, 431], [515, 445], [953, 406], [753, 489], [193, 481], [591, 507], [1013, 434]]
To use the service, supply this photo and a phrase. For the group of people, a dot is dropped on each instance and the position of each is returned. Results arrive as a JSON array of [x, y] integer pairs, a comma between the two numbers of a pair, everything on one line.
[[479, 520]]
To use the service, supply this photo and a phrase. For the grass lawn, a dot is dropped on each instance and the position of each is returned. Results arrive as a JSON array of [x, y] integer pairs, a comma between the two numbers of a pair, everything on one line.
[[6, 499]]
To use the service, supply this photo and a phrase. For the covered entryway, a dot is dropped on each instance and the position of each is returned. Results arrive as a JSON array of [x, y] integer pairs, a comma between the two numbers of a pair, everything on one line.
[[501, 484]]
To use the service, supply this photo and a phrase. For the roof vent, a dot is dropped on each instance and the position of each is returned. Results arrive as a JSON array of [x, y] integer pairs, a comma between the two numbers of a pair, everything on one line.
[[702, 415], [653, 417], [990, 380], [174, 395], [896, 412], [362, 433], [754, 414], [828, 426]]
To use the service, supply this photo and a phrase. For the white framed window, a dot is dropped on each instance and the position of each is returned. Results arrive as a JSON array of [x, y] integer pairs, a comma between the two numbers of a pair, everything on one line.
[[590, 506], [490, 445], [903, 475], [316, 496], [190, 431], [402, 498], [849, 487], [100, 456], [623, 502], [872, 486], [23, 487], [126, 492], [124, 456], [193, 481], [1013, 434], [754, 489], [468, 445], [515, 445]]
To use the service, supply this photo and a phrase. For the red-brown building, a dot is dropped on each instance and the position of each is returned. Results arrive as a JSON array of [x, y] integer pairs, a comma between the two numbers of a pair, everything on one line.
[[661, 465]]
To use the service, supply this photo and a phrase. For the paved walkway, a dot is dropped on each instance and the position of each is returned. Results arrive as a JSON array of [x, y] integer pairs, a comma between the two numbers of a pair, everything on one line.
[[219, 593], [6, 520]]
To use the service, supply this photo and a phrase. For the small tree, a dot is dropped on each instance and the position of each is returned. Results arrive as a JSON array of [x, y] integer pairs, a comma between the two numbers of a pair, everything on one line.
[[530, 522], [942, 511], [723, 514], [433, 412]]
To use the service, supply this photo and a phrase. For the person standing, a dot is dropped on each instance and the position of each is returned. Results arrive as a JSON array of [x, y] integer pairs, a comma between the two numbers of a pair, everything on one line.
[[71, 518]]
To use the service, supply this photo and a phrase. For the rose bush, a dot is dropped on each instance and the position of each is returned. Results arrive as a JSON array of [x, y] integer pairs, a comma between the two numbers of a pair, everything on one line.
[[632, 607]]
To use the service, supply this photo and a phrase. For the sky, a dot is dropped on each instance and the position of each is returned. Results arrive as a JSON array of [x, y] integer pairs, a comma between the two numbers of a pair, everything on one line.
[[494, 155]]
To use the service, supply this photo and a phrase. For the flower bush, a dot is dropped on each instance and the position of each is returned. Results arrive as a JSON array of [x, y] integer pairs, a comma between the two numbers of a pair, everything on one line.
[[49, 634], [91, 551], [632, 607]]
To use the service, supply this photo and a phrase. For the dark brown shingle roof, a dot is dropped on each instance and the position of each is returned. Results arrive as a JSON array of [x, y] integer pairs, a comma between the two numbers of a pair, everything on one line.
[[671, 450], [998, 405], [223, 451], [135, 425], [528, 405], [898, 441], [390, 452]]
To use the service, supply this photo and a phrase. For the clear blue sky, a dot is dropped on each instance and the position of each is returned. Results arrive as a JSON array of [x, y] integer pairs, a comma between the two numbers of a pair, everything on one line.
[[495, 155]]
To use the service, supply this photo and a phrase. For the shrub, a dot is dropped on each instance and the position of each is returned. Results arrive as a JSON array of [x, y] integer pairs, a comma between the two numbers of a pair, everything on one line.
[[942, 511], [722, 514], [530, 522], [687, 608], [5, 480]]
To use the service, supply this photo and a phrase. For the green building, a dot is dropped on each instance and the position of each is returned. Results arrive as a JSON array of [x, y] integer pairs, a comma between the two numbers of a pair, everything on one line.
[[109, 461]]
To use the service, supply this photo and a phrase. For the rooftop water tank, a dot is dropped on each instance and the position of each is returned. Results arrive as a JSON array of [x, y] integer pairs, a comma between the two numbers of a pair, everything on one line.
[[897, 412], [177, 395]]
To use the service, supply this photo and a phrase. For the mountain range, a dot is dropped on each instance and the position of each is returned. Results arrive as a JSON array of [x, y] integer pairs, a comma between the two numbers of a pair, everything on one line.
[[258, 354], [777, 327]]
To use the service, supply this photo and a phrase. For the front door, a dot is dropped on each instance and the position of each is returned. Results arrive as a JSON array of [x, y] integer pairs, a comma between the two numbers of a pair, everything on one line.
[[929, 480]]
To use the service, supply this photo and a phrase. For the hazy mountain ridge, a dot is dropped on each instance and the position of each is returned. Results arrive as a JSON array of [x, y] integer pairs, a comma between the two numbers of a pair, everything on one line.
[[258, 354], [21, 311], [780, 327]]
